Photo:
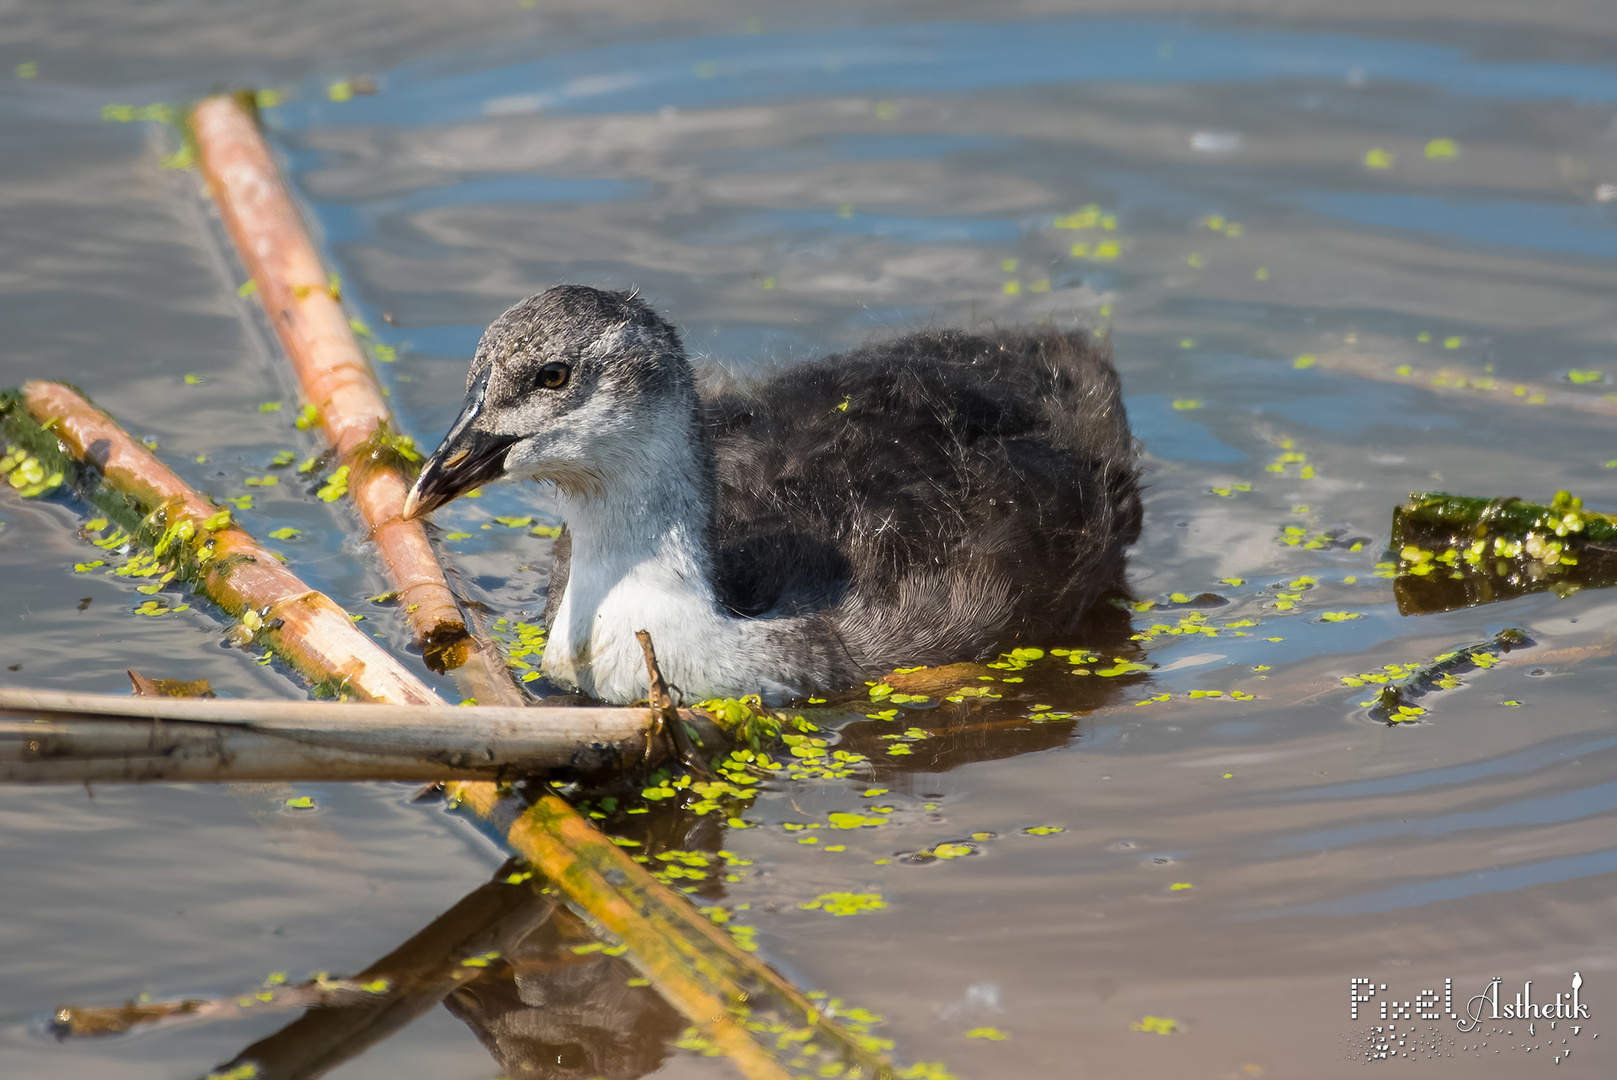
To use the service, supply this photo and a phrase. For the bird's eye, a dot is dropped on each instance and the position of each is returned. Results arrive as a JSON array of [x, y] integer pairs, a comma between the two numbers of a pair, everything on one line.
[[554, 376]]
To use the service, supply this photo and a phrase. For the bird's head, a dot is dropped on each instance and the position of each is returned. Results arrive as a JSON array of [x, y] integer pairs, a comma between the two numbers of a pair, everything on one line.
[[567, 386]]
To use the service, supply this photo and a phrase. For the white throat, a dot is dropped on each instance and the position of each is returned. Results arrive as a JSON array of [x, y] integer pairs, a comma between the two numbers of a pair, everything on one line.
[[640, 561]]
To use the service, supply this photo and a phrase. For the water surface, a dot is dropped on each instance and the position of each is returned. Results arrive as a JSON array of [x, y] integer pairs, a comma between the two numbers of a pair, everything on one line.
[[1222, 196]]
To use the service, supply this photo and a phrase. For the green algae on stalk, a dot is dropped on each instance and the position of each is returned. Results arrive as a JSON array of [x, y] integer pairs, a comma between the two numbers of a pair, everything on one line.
[[1458, 551], [1442, 513], [193, 540], [1399, 686], [389, 449]]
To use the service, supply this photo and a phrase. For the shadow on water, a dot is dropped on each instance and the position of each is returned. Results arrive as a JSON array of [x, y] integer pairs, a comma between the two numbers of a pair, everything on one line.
[[524, 974]]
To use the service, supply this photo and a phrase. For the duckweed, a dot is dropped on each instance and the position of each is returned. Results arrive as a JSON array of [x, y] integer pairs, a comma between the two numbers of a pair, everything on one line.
[[842, 820], [336, 485], [1289, 457], [27, 475], [154, 608], [245, 1071], [844, 903], [1156, 1025], [925, 1070]]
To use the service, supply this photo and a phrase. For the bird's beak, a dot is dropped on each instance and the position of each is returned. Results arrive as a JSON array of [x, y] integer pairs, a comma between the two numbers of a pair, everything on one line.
[[466, 459]]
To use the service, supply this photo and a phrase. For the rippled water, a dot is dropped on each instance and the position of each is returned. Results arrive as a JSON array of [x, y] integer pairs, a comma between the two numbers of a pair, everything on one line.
[[1225, 196]]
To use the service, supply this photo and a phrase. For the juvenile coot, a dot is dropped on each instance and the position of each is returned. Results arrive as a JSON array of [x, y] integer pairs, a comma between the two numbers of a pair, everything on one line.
[[916, 501]]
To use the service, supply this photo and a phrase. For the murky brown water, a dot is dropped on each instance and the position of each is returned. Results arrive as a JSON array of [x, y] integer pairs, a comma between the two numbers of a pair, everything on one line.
[[784, 181]]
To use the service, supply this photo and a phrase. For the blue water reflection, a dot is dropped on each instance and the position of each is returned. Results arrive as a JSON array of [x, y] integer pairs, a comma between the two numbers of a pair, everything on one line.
[[944, 57], [1169, 432], [1458, 887], [1565, 230], [1536, 757], [1550, 809], [345, 221]]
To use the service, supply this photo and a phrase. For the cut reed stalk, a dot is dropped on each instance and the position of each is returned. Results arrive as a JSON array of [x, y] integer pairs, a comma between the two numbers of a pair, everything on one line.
[[52, 737], [162, 512], [304, 305]]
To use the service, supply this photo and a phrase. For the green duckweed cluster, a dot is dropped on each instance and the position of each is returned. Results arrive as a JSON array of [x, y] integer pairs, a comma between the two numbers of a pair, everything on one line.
[[808, 1052], [1016, 659], [27, 475], [884, 693], [247, 1070], [673, 866], [521, 641], [1191, 624], [1197, 695], [901, 741], [158, 567], [1091, 219], [844, 903], [1288, 457], [1083, 662], [335, 486], [1335, 539], [1155, 1025], [961, 694], [746, 719], [809, 755]]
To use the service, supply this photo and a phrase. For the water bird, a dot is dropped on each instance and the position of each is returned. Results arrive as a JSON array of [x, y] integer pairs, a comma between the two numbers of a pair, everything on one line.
[[913, 501]]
